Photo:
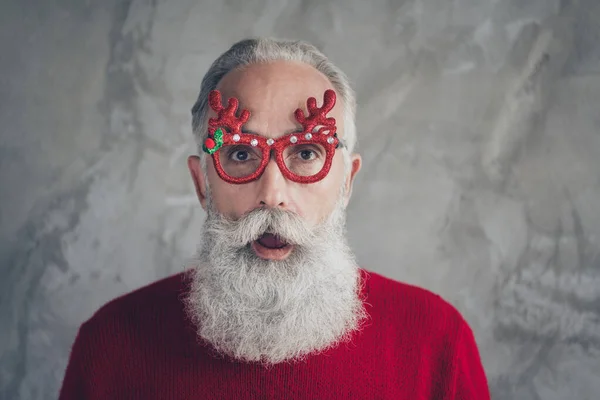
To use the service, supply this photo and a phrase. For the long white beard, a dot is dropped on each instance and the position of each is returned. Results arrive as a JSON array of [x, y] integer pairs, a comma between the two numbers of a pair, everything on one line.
[[267, 311]]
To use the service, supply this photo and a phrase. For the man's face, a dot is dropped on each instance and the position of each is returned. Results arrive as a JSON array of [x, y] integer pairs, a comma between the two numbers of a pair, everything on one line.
[[272, 92], [260, 303]]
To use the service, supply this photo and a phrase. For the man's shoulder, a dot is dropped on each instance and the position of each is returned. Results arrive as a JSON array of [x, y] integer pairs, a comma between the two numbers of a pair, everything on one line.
[[131, 326], [404, 303], [157, 298]]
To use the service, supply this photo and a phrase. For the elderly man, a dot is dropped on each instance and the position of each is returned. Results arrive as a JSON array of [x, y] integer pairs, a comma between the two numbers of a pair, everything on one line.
[[275, 306]]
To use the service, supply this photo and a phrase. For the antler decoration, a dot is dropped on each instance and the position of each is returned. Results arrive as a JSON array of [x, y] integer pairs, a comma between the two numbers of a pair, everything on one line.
[[318, 116], [225, 119]]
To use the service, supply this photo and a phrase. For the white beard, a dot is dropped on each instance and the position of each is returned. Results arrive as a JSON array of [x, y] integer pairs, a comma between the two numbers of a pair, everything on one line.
[[267, 311]]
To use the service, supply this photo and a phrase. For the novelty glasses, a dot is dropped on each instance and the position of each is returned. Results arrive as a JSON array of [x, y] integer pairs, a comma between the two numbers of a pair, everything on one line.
[[303, 156]]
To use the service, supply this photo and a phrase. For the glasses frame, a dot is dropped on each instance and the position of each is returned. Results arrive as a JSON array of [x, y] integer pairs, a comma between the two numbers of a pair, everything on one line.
[[330, 143], [226, 130]]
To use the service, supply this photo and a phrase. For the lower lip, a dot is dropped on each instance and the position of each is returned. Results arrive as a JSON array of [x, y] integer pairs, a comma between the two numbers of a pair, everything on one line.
[[271, 254]]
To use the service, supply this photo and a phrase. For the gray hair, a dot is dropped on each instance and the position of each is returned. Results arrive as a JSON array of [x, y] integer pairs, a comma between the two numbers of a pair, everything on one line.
[[263, 50]]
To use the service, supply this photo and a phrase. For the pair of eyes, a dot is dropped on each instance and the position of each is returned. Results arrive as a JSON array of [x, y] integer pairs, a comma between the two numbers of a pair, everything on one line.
[[305, 152]]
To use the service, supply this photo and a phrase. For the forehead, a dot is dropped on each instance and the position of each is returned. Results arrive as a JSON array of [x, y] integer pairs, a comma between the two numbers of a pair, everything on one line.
[[273, 91]]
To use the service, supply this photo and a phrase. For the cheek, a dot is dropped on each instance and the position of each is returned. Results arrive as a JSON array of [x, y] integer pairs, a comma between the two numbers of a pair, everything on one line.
[[229, 200], [336, 175], [226, 198], [316, 201], [339, 165]]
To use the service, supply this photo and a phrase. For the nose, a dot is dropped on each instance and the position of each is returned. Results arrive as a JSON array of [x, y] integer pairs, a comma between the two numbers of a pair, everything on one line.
[[272, 184]]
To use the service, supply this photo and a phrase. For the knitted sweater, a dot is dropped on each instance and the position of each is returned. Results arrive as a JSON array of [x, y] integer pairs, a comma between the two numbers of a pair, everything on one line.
[[142, 346]]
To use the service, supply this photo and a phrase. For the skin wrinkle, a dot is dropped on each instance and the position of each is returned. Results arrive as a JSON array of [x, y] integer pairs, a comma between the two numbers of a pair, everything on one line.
[[271, 311]]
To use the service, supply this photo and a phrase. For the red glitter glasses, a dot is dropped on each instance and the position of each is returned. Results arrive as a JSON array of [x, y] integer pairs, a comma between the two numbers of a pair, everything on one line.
[[303, 157]]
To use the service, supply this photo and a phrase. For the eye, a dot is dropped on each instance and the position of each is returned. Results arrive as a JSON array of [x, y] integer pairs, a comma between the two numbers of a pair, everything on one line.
[[241, 153], [307, 152], [307, 155]]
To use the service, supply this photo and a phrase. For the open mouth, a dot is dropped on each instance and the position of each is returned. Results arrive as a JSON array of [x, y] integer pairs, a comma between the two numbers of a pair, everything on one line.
[[271, 241], [271, 247]]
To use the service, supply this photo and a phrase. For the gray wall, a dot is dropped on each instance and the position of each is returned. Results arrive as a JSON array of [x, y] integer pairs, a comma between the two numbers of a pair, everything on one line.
[[478, 124]]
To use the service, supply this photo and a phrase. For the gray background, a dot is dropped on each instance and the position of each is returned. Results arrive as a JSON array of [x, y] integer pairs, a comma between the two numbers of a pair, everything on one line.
[[478, 123]]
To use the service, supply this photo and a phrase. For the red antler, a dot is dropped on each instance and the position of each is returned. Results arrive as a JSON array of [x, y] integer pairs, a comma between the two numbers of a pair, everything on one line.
[[226, 116], [318, 116]]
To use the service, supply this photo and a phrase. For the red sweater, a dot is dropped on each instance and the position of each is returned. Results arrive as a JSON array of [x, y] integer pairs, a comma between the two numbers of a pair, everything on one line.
[[142, 346]]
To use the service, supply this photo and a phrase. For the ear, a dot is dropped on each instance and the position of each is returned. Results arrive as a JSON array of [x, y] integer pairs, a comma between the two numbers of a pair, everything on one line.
[[356, 161], [195, 167]]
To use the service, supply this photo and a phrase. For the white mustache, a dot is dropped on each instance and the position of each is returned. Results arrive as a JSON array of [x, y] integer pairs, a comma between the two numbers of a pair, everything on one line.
[[289, 226]]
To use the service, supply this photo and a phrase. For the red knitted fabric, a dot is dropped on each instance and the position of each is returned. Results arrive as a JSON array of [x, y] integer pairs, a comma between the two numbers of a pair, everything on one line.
[[142, 346]]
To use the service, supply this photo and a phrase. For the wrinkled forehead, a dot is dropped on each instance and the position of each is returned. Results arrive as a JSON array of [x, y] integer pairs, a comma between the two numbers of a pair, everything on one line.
[[272, 93]]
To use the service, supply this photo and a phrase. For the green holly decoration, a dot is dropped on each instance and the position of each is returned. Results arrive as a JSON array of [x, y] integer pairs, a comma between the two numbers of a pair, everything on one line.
[[213, 144]]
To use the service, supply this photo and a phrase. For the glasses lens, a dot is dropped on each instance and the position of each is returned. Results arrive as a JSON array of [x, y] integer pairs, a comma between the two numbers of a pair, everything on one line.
[[240, 160], [305, 159]]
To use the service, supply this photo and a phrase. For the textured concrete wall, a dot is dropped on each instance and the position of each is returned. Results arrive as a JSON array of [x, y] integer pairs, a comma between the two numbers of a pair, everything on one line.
[[478, 124]]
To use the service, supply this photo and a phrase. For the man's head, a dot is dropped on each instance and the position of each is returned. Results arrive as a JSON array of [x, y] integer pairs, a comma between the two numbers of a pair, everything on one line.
[[275, 279]]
